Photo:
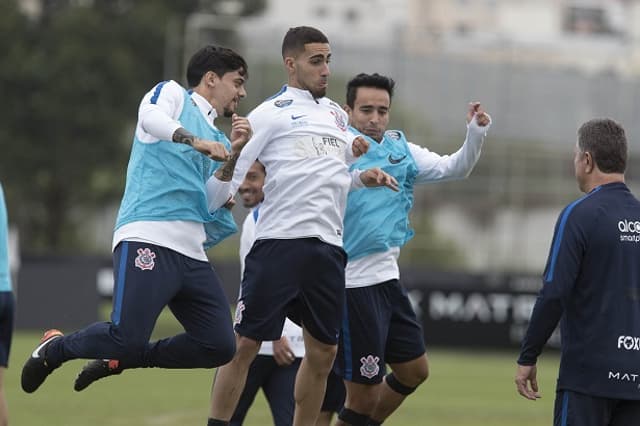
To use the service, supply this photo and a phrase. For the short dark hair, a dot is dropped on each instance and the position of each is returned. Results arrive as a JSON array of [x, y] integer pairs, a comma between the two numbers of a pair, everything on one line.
[[606, 141], [295, 39], [220, 60], [368, 80]]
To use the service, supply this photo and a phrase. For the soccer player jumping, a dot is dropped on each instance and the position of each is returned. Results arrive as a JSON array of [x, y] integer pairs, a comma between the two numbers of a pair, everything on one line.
[[167, 216]]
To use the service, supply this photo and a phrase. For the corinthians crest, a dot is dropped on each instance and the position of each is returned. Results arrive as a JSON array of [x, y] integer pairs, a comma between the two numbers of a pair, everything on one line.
[[145, 260], [369, 367], [341, 123]]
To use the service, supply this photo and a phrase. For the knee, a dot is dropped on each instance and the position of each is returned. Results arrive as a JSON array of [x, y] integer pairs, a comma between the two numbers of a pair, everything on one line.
[[214, 351], [222, 351], [414, 373], [362, 398], [421, 374], [246, 350], [321, 357], [211, 356]]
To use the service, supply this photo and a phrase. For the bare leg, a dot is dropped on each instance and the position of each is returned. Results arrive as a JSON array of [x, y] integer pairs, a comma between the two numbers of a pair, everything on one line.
[[311, 381], [324, 419], [410, 374], [230, 379]]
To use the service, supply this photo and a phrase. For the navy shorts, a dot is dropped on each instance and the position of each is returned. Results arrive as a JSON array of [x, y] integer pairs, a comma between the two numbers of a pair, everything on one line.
[[300, 278], [379, 327], [7, 310], [577, 409]]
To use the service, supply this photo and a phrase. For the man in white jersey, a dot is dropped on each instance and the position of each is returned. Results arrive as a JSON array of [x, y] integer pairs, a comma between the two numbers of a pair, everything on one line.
[[167, 217], [296, 266], [380, 326], [274, 368]]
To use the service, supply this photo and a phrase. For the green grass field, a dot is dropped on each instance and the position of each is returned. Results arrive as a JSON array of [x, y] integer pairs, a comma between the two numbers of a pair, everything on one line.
[[466, 388]]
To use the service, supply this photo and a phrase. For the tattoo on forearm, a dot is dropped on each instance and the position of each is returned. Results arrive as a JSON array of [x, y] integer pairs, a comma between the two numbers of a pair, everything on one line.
[[181, 135], [225, 172]]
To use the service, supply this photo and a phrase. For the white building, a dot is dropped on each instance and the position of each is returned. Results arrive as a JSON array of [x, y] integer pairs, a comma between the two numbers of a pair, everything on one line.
[[593, 35]]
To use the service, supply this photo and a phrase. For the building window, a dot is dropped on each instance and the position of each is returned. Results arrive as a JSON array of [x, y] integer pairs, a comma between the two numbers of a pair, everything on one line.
[[586, 20]]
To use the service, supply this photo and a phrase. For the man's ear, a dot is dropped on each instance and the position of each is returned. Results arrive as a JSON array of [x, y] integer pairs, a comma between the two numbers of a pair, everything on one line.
[[347, 108], [211, 78], [290, 63], [590, 166]]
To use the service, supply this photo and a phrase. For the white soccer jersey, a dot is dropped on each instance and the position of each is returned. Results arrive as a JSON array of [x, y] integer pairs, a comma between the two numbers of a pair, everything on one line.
[[380, 267], [291, 331], [305, 147]]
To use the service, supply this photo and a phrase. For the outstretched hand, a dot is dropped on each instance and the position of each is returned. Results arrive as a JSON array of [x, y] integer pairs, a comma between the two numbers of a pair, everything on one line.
[[240, 132], [475, 109], [525, 376], [377, 177]]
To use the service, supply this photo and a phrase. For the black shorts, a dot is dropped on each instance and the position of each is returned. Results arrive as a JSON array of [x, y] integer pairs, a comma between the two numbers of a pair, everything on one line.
[[379, 327], [300, 278], [7, 310], [574, 408]]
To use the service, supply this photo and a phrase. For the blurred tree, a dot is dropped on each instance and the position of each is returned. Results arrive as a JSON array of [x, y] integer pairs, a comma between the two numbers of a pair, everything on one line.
[[71, 79]]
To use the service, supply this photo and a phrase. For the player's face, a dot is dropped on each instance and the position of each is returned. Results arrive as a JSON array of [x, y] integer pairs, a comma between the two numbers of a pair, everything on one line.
[[227, 92], [251, 188], [370, 113], [310, 69]]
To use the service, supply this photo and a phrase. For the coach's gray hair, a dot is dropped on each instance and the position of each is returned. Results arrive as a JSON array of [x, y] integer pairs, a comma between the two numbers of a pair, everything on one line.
[[605, 139]]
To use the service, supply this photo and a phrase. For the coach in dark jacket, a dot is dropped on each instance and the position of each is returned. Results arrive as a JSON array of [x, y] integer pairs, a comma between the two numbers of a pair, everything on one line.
[[591, 286]]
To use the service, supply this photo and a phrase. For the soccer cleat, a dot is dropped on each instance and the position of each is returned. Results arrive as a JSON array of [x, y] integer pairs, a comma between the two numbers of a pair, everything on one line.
[[36, 369], [96, 370]]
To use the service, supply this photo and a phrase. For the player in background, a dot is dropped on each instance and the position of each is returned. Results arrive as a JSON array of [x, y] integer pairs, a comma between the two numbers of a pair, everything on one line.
[[274, 368], [591, 285], [379, 325], [7, 306], [167, 217], [296, 266]]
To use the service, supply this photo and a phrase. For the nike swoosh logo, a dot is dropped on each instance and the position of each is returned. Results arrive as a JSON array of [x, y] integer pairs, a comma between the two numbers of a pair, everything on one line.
[[396, 160], [35, 353], [295, 117]]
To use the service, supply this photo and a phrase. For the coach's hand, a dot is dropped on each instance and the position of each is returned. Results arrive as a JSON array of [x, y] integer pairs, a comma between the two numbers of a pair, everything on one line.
[[525, 375], [282, 352]]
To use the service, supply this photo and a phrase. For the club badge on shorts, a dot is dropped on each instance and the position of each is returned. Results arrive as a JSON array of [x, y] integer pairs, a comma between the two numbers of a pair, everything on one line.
[[369, 367], [145, 260]]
